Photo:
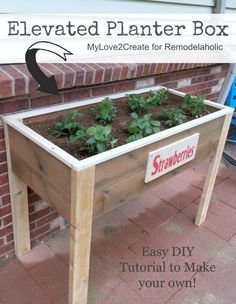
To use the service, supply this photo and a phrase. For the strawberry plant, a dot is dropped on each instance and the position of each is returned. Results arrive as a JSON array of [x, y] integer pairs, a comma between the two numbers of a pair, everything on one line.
[[69, 125], [193, 105], [98, 139], [137, 103], [157, 98], [142, 126], [174, 117], [105, 111]]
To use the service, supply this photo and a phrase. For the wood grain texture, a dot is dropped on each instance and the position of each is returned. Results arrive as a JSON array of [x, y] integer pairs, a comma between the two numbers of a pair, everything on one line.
[[82, 189], [43, 173], [212, 172], [122, 178], [19, 205]]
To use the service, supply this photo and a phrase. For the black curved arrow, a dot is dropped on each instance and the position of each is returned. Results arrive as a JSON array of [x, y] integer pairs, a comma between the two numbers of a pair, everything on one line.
[[46, 84]]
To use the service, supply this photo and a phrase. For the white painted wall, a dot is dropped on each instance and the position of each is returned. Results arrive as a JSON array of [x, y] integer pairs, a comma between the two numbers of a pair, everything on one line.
[[112, 6]]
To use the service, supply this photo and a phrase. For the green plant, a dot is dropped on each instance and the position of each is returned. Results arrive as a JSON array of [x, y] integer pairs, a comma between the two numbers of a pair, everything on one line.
[[158, 97], [137, 103], [142, 126], [97, 139], [105, 111], [193, 105], [69, 125], [173, 116]]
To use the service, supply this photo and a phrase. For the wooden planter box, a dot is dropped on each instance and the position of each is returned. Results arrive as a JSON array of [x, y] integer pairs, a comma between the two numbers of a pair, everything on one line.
[[82, 190]]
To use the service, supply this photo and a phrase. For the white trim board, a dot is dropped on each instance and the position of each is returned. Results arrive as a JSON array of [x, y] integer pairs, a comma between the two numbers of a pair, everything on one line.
[[15, 121]]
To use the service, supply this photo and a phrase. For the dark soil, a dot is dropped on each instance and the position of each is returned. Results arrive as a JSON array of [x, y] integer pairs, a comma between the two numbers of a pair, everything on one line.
[[119, 131]]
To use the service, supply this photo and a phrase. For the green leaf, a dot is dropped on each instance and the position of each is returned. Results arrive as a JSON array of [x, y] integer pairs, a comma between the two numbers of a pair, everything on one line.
[[155, 123], [91, 141], [91, 131], [134, 115], [113, 142], [101, 147], [131, 139]]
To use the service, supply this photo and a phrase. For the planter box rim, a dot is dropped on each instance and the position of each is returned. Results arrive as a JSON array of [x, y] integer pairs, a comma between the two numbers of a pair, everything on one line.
[[16, 122]]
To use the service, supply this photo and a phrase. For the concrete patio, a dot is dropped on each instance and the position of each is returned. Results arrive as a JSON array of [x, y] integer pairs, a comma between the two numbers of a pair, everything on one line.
[[160, 219]]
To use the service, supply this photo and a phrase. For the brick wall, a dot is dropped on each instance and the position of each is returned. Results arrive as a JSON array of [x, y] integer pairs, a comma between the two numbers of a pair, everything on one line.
[[77, 81]]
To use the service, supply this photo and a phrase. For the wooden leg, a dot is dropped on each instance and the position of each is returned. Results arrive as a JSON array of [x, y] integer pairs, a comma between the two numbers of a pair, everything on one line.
[[211, 174], [19, 206], [82, 190]]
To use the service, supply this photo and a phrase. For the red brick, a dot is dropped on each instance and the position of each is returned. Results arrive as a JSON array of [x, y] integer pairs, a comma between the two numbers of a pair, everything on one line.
[[162, 79], [4, 189], [5, 210], [14, 106], [9, 237], [89, 74], [31, 209], [6, 248], [5, 87], [202, 78], [3, 179], [55, 72], [103, 90], [171, 85], [30, 191], [153, 68], [140, 69], [125, 86], [6, 200], [212, 96], [19, 80], [39, 214], [1, 133], [146, 69], [2, 258], [46, 219], [7, 220], [77, 94], [171, 67], [33, 85], [204, 91], [33, 198], [43, 101], [116, 73], [108, 72], [39, 231], [2, 145], [158, 68], [44, 235], [32, 226], [79, 80], [68, 74], [6, 230], [1, 242], [3, 168], [99, 72], [124, 72], [166, 67]]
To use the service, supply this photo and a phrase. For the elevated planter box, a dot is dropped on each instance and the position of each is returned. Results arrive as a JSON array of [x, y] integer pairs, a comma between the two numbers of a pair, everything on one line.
[[81, 190]]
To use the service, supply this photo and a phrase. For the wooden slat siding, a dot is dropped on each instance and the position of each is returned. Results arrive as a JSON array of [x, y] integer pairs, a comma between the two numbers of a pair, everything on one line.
[[119, 179], [43, 173]]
